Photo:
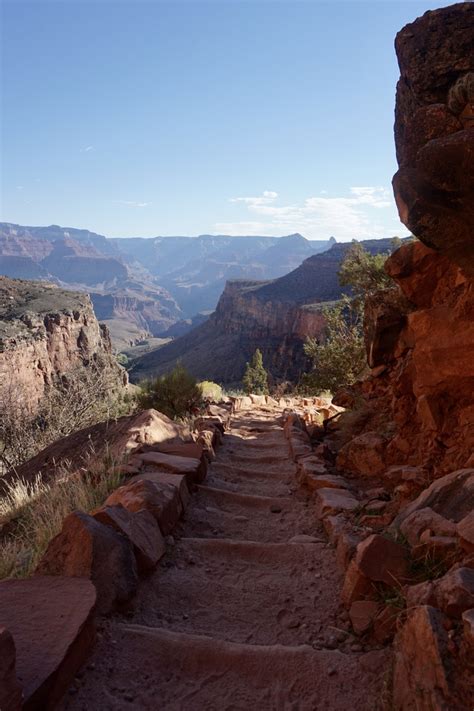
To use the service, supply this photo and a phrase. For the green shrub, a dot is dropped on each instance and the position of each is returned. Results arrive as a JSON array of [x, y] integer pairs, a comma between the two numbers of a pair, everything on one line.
[[175, 394], [255, 379], [339, 356], [339, 359], [210, 390]]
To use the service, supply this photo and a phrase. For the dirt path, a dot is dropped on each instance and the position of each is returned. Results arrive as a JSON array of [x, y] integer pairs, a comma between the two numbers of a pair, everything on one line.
[[243, 610]]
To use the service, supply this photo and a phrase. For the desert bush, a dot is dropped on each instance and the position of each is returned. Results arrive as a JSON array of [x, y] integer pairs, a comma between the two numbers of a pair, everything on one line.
[[176, 394], [339, 356], [210, 390], [34, 512], [255, 379], [339, 359], [76, 400]]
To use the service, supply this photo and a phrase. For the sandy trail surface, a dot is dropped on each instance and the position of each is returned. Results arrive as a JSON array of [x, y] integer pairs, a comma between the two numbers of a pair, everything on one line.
[[243, 611]]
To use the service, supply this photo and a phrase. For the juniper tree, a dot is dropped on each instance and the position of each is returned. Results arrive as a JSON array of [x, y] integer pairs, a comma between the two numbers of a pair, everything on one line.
[[255, 379]]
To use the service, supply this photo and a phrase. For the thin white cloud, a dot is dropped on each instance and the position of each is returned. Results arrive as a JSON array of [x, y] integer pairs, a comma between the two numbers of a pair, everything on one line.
[[266, 198], [132, 203], [363, 213], [87, 149]]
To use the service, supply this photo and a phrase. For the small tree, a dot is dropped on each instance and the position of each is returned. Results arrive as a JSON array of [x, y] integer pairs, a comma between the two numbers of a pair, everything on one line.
[[339, 358], [364, 272], [255, 379], [175, 394]]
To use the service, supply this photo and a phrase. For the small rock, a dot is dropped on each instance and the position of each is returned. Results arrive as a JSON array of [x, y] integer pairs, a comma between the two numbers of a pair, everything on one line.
[[275, 509]]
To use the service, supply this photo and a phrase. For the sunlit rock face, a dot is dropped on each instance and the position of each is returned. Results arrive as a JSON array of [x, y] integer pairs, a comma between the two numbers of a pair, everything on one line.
[[45, 333], [434, 131]]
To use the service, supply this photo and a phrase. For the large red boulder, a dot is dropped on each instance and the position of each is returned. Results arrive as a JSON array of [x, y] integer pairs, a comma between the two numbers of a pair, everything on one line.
[[162, 501], [140, 528], [85, 548], [421, 666], [11, 693], [382, 560], [364, 455], [51, 620]]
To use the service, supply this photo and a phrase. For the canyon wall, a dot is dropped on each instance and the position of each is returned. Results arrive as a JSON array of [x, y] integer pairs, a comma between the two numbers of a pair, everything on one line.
[[421, 344], [275, 316], [46, 332]]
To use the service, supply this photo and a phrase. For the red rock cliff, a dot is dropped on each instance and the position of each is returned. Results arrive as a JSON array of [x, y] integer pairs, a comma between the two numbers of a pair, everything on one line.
[[421, 345], [46, 332]]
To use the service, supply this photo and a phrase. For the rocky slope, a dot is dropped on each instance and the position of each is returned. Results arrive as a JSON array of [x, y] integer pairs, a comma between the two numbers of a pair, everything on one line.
[[407, 446], [46, 332], [275, 316]]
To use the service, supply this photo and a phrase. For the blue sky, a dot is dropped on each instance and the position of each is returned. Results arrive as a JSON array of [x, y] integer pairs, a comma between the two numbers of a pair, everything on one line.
[[240, 117]]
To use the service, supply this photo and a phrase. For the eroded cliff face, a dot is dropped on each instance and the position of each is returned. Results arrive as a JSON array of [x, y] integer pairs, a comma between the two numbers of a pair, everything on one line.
[[275, 316], [434, 136], [422, 356], [420, 344], [46, 332]]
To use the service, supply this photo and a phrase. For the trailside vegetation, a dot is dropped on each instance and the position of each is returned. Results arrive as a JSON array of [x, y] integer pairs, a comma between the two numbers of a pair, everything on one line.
[[176, 393], [339, 357], [255, 379]]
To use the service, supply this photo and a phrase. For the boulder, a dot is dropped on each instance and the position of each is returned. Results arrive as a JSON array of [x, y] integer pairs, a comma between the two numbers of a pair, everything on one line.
[[162, 501], [421, 594], [192, 450], [465, 531], [11, 693], [399, 473], [468, 628], [422, 520], [363, 455], [313, 474], [86, 548], [346, 547], [189, 466], [421, 662], [382, 560], [114, 440], [362, 614], [334, 526], [52, 622], [385, 623], [206, 440], [167, 479], [142, 531], [330, 501], [450, 496], [455, 591], [356, 586]]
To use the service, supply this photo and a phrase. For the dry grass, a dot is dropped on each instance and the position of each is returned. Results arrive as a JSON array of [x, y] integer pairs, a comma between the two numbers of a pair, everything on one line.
[[33, 513]]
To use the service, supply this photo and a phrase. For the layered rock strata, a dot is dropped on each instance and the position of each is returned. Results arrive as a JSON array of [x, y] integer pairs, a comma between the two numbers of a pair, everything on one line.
[[46, 332]]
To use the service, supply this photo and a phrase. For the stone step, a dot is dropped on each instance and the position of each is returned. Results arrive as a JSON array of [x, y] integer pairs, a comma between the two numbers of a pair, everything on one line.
[[233, 498], [244, 591], [191, 671]]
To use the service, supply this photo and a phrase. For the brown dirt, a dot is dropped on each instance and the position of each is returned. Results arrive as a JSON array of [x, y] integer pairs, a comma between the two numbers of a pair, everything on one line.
[[237, 614]]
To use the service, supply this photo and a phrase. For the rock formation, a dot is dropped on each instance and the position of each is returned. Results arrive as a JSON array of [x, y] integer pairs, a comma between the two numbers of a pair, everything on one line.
[[407, 447], [421, 345], [275, 316], [46, 332], [433, 134]]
